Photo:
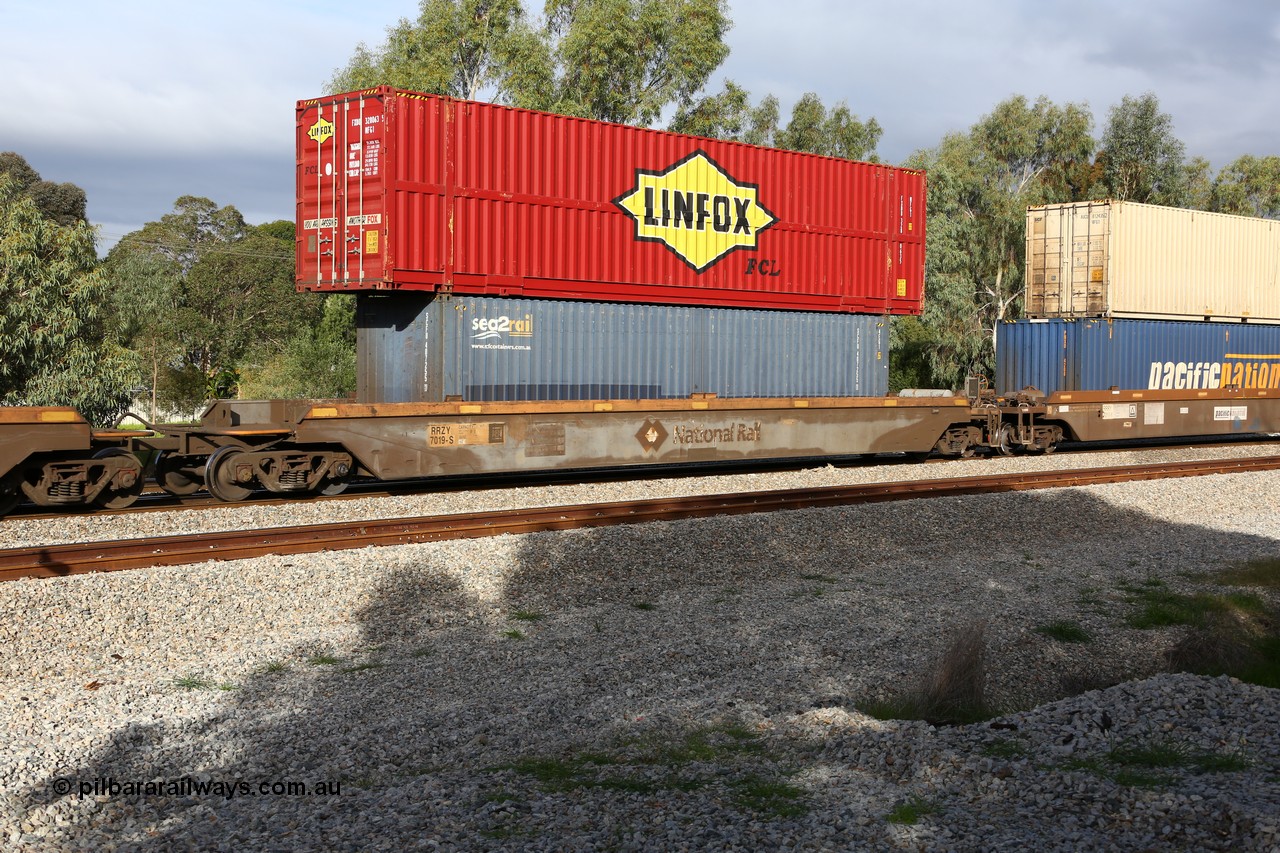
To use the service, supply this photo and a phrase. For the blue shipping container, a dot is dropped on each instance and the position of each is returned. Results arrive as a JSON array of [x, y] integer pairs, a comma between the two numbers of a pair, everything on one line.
[[426, 348], [1099, 354]]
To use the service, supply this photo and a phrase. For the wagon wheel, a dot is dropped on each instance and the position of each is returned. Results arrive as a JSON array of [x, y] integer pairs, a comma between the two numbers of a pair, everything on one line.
[[1004, 440], [124, 496], [173, 479], [333, 487], [220, 476]]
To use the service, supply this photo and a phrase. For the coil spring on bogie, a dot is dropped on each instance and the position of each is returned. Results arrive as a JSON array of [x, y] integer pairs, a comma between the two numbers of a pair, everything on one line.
[[67, 490], [294, 478]]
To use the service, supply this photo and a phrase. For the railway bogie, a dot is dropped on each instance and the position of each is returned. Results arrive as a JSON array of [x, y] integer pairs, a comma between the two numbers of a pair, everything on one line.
[[52, 457]]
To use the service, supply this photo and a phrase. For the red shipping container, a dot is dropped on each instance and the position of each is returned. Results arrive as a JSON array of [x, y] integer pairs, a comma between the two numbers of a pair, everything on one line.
[[399, 190]]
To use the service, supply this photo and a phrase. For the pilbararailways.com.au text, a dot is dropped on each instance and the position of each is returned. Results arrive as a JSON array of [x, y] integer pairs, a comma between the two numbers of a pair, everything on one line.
[[189, 786]]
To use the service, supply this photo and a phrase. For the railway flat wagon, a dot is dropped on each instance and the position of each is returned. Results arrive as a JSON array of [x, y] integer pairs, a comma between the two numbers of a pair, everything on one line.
[[1100, 354], [400, 191]]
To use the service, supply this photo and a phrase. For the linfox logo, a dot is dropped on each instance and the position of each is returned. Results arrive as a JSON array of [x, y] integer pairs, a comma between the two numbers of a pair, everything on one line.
[[696, 209], [321, 130]]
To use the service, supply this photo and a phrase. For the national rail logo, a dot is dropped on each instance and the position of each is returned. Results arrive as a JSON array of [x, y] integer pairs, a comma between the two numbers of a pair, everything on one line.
[[696, 209], [320, 131]]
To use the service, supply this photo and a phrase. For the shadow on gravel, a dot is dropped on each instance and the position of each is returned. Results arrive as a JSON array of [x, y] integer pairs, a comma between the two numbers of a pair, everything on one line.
[[477, 692]]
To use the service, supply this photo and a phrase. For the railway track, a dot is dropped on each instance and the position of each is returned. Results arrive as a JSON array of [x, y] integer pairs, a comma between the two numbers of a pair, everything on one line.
[[60, 560]]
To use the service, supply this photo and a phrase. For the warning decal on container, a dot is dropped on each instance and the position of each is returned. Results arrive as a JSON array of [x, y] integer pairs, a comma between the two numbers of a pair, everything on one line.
[[696, 209], [1153, 413]]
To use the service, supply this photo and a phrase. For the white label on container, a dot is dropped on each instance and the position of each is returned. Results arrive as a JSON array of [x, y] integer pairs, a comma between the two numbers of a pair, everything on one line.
[[1230, 413], [1119, 411], [1064, 409], [312, 224], [1184, 410], [367, 219], [1153, 413]]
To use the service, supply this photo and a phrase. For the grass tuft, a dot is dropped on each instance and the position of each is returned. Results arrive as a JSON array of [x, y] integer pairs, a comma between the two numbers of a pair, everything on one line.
[[1262, 572], [710, 756], [909, 812], [1231, 633], [322, 660], [953, 692], [1155, 763], [1064, 631], [513, 634], [193, 682], [527, 616], [769, 796]]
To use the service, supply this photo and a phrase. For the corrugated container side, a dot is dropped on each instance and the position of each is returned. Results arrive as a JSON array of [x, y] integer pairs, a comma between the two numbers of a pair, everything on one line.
[[1123, 259], [1095, 355], [400, 191], [425, 348]]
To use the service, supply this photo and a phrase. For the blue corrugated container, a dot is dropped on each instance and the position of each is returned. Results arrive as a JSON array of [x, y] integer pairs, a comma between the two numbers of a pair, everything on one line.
[[420, 348], [1095, 355]]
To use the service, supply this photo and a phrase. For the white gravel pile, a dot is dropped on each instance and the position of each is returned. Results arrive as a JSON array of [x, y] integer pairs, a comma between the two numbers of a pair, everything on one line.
[[690, 685]]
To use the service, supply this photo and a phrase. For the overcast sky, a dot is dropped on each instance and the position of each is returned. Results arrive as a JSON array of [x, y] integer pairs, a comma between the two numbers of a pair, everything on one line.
[[141, 102]]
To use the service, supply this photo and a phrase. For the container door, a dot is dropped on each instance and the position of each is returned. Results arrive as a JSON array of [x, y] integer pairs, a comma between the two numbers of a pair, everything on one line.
[[341, 230], [906, 196]]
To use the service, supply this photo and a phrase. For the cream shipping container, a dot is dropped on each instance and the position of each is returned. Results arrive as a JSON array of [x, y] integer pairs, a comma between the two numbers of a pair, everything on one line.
[[1123, 259]]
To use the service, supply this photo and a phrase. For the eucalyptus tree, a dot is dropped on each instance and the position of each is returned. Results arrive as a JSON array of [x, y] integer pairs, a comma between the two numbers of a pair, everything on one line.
[[1249, 186], [200, 293], [63, 203], [980, 184], [453, 47], [616, 60], [52, 294], [812, 127], [1142, 159]]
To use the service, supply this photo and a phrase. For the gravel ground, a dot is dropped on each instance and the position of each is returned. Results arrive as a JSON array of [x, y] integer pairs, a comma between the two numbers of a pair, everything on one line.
[[687, 685]]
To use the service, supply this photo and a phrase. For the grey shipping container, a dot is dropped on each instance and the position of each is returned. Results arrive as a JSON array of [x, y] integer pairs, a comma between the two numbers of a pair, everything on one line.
[[428, 348], [1096, 355]]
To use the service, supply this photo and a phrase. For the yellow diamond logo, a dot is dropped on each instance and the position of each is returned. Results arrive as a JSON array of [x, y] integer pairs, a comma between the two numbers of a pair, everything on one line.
[[321, 131], [696, 209]]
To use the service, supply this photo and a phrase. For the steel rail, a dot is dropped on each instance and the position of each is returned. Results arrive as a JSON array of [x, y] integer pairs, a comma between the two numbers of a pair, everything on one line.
[[78, 558]]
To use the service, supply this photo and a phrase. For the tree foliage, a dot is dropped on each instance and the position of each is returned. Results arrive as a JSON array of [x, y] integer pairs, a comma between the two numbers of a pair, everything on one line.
[[627, 60], [199, 294], [1142, 159], [315, 362], [454, 47], [63, 204], [980, 184], [51, 298], [614, 60], [1249, 186], [813, 128]]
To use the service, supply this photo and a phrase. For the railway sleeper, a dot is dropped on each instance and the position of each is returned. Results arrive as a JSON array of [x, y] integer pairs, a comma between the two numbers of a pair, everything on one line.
[[233, 473]]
